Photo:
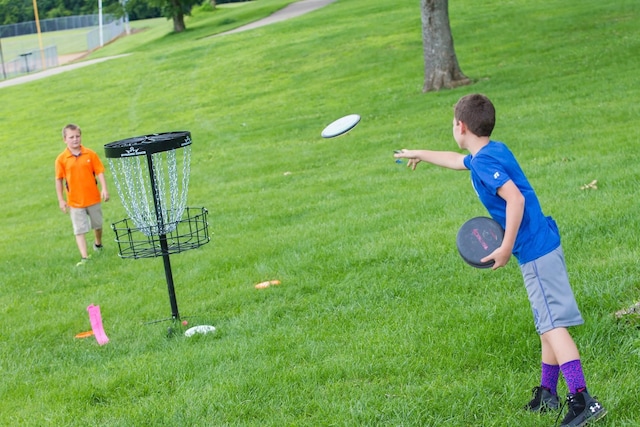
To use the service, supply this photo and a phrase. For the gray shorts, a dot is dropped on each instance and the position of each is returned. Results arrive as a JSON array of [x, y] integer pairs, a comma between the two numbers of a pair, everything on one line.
[[550, 294], [85, 219]]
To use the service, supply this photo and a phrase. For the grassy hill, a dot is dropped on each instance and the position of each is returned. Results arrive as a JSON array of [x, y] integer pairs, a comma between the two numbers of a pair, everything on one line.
[[377, 320]]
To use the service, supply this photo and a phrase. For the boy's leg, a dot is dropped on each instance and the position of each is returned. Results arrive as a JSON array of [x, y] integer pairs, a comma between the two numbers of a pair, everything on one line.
[[559, 347], [95, 214], [552, 303], [545, 396], [549, 378], [81, 227], [81, 240], [98, 236], [582, 407]]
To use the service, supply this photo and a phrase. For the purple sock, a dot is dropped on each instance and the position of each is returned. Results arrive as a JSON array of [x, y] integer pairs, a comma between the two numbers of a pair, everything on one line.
[[550, 374], [572, 372]]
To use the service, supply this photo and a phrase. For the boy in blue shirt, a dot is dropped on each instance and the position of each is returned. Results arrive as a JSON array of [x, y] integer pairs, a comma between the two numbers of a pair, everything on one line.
[[534, 240]]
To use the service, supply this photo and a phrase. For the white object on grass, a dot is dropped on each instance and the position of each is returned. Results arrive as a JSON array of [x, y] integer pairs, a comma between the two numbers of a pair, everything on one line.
[[200, 329]]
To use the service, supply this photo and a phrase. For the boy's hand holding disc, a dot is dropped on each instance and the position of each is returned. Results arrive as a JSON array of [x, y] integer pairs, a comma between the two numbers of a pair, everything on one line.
[[500, 257]]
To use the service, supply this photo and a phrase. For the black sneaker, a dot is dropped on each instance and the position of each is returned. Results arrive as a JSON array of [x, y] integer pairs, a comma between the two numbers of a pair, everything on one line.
[[542, 401], [583, 409]]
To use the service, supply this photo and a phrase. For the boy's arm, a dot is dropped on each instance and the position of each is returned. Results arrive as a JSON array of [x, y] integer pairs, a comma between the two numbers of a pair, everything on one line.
[[103, 185], [446, 159], [59, 191], [514, 212]]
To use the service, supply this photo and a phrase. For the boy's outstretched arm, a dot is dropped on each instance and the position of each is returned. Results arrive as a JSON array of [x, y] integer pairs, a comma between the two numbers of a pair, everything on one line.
[[446, 159]]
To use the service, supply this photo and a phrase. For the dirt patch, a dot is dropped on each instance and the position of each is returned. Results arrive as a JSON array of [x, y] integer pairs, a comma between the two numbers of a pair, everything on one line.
[[72, 57], [65, 59]]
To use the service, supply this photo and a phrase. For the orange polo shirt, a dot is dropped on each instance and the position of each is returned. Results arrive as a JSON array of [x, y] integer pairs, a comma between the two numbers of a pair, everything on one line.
[[79, 174]]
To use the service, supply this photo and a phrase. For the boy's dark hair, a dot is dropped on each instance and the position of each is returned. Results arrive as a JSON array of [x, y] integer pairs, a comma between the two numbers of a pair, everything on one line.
[[477, 112]]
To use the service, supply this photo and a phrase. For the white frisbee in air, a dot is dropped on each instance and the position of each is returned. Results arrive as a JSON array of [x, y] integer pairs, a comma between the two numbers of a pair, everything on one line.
[[341, 126]]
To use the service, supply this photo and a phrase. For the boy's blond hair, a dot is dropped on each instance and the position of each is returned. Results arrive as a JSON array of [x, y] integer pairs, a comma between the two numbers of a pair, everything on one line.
[[70, 126]]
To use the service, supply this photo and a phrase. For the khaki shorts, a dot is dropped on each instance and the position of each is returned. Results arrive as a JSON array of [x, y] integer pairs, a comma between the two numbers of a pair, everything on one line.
[[85, 219]]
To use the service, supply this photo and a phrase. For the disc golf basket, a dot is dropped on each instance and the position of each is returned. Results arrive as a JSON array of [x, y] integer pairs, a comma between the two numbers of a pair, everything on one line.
[[151, 174]]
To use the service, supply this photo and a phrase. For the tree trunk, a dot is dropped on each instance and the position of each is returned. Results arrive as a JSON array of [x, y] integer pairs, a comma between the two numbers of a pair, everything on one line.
[[178, 17], [441, 69], [178, 23]]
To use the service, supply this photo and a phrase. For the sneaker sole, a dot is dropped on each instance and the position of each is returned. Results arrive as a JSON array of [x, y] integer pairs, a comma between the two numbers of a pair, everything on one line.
[[598, 416], [593, 419]]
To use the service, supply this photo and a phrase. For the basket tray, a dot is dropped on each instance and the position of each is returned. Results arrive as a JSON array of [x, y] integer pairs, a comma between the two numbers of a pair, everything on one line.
[[191, 232]]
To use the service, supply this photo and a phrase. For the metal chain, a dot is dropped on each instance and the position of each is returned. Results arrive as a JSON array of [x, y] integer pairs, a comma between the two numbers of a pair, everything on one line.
[[130, 175]]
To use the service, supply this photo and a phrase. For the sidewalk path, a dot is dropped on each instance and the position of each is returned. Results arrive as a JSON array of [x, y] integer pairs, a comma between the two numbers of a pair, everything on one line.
[[291, 11], [55, 70]]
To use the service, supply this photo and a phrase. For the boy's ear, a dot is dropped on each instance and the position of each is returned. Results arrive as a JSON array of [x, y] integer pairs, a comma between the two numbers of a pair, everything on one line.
[[463, 127]]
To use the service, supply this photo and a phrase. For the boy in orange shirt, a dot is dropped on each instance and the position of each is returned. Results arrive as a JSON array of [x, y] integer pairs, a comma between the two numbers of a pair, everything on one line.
[[77, 169]]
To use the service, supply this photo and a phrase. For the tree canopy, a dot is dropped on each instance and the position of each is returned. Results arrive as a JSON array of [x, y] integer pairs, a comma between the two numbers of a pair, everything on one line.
[[15, 11]]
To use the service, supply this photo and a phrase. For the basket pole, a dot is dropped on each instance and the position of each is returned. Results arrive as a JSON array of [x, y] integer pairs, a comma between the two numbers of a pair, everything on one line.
[[163, 242], [169, 275]]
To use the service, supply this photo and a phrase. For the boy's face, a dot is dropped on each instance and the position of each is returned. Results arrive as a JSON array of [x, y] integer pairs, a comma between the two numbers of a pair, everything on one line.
[[73, 138]]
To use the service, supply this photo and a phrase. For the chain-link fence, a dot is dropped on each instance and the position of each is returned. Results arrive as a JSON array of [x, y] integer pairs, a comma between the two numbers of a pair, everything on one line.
[[55, 24], [109, 32], [31, 61], [29, 58]]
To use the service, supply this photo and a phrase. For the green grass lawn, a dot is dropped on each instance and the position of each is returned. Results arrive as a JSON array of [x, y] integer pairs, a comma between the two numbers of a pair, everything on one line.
[[377, 322]]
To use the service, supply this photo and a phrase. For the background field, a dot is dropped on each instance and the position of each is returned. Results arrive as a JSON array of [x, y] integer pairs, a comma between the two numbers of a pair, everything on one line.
[[73, 42], [69, 41], [377, 321]]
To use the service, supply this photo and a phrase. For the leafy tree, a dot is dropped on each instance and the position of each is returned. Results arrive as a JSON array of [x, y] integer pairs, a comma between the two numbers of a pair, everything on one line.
[[176, 10], [140, 9], [56, 12], [15, 11], [440, 61], [12, 11]]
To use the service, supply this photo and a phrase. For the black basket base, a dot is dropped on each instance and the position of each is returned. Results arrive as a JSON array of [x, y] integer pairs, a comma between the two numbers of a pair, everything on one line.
[[191, 232]]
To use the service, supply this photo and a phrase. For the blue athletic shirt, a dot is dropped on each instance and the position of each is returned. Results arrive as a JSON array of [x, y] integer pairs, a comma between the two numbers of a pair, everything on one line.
[[492, 167]]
